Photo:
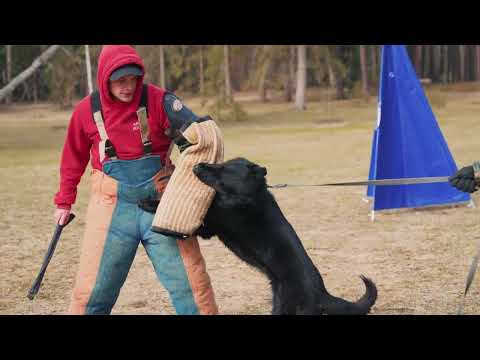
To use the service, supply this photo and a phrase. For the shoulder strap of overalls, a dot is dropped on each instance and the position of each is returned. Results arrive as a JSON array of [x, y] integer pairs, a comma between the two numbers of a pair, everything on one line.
[[142, 114], [105, 147]]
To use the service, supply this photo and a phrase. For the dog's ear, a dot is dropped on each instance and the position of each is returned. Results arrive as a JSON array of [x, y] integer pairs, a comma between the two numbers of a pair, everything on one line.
[[260, 170]]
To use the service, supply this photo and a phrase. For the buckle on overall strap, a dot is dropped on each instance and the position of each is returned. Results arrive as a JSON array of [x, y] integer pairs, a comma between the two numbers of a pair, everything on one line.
[[105, 145], [110, 150], [147, 147], [144, 132]]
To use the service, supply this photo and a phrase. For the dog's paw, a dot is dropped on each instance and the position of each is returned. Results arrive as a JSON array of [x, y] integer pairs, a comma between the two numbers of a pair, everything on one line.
[[204, 232], [149, 205]]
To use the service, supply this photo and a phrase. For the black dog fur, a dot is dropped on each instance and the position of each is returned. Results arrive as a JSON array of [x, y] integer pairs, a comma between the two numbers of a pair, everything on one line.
[[247, 219]]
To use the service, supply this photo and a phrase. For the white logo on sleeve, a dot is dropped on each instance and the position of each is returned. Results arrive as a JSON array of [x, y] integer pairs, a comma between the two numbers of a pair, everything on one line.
[[177, 105], [136, 126]]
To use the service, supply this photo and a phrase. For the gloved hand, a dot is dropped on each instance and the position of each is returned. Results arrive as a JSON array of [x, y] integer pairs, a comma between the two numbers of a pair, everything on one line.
[[61, 216], [177, 138], [161, 181], [464, 180], [164, 175]]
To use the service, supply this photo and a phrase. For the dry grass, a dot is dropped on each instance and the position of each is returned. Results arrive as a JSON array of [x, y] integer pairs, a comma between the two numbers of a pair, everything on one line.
[[418, 258]]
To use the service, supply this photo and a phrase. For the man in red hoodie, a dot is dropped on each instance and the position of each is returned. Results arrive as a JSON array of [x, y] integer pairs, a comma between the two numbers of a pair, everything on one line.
[[122, 130]]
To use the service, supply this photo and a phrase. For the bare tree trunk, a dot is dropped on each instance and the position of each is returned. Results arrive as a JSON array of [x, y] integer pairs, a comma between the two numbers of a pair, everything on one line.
[[262, 85], [35, 88], [262, 89], [288, 83], [332, 78], [445, 64], [374, 57], [202, 74], [470, 62], [26, 92], [161, 54], [263, 92], [339, 84], [290, 69], [437, 55], [336, 71], [462, 62], [291, 74], [226, 68], [418, 60], [426, 62], [301, 77], [8, 100], [24, 75], [363, 65], [477, 53], [89, 69]]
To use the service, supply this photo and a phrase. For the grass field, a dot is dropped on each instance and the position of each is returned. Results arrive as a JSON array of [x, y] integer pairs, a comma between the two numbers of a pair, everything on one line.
[[418, 258]]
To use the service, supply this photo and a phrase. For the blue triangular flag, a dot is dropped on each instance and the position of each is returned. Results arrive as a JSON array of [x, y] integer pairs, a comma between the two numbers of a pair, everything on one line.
[[408, 142]]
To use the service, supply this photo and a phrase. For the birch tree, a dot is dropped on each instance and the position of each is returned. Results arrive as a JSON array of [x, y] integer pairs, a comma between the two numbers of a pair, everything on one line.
[[89, 69], [301, 77], [161, 54], [9, 69], [226, 70], [363, 66], [24, 75]]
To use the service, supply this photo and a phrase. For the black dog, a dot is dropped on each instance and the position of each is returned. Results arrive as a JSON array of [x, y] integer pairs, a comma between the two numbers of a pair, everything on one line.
[[247, 219]]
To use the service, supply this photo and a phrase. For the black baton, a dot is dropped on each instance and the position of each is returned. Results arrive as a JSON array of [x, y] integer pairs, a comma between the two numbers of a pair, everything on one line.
[[51, 248]]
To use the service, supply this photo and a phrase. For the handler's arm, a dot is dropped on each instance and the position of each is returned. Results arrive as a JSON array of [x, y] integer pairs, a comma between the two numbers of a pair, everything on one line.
[[74, 160], [180, 118]]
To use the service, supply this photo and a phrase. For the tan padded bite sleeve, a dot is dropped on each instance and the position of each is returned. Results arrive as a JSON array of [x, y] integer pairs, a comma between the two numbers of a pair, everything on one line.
[[186, 199]]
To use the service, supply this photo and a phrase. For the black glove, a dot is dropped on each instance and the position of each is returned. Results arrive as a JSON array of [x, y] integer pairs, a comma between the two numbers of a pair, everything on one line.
[[180, 118], [464, 180]]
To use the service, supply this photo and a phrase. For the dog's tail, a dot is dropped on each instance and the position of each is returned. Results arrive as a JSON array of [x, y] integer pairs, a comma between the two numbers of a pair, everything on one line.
[[332, 305]]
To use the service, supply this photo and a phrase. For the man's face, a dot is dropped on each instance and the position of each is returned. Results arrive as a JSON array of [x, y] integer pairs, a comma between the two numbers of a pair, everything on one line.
[[124, 88]]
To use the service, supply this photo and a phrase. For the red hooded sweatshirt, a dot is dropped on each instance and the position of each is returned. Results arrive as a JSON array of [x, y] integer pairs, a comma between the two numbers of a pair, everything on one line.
[[121, 124]]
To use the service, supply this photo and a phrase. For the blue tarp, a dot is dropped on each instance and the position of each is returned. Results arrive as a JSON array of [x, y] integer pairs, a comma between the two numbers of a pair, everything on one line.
[[408, 142]]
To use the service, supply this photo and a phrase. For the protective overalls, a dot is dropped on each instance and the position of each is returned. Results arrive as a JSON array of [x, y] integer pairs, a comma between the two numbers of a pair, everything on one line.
[[116, 225]]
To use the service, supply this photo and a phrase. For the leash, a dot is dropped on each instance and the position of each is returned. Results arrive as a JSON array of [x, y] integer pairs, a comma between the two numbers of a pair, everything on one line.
[[405, 181], [380, 182]]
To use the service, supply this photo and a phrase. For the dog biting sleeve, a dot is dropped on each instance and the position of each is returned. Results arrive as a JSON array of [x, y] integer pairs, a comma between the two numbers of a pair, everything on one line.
[[186, 199]]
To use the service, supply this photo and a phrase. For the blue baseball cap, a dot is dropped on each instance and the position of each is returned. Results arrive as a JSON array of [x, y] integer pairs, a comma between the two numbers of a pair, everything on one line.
[[129, 69]]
